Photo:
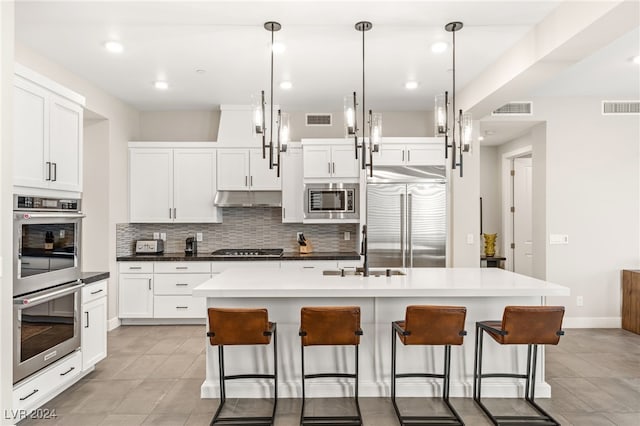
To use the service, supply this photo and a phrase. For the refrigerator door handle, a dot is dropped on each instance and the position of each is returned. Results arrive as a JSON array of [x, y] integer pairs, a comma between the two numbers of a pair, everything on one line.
[[403, 246], [409, 220]]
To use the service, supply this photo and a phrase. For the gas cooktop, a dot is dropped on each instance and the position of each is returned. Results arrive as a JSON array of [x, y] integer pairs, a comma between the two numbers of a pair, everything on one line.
[[248, 252]]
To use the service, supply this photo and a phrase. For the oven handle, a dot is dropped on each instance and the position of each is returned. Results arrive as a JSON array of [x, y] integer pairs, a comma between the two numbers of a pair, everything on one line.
[[63, 215], [46, 297]]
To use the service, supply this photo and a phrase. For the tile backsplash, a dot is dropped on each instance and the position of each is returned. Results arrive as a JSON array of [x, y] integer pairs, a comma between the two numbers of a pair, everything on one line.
[[241, 228]]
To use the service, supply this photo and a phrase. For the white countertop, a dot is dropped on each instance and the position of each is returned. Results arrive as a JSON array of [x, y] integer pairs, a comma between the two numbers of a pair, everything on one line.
[[418, 282]]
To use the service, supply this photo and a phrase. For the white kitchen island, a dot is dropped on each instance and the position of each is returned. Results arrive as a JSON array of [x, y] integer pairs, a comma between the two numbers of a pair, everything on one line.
[[484, 291]]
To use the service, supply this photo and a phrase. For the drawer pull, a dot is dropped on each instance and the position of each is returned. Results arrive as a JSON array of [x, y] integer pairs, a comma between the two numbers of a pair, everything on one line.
[[308, 267], [97, 291], [181, 284], [31, 394], [68, 371], [182, 307], [182, 267], [135, 267]]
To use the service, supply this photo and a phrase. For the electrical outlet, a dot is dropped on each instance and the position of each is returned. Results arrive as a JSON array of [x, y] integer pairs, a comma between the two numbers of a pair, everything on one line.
[[163, 236], [579, 301], [199, 237], [156, 235], [62, 233], [347, 236]]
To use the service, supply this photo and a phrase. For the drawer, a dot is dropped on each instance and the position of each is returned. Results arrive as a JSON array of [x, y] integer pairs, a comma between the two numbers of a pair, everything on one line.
[[136, 267], [220, 266], [179, 307], [179, 284], [178, 267], [308, 264], [30, 393], [94, 291]]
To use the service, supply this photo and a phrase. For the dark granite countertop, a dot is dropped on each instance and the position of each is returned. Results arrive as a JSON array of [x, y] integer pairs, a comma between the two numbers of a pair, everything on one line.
[[92, 277], [207, 257]]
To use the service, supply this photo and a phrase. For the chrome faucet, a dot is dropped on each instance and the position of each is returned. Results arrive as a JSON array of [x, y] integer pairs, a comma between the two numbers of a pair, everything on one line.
[[363, 252]]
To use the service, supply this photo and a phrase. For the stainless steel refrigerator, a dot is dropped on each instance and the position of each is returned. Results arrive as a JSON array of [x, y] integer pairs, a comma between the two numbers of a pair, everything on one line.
[[407, 217]]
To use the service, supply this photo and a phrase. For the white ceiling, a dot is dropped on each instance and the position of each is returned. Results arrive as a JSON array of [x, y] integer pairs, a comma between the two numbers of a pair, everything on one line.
[[170, 40]]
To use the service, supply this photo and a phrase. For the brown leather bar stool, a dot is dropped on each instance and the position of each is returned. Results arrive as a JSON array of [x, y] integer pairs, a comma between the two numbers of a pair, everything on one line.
[[330, 325], [521, 325], [429, 325], [242, 327]]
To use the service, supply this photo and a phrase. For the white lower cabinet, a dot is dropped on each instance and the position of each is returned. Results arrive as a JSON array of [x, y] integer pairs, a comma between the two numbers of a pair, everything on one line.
[[135, 296], [41, 386], [94, 324]]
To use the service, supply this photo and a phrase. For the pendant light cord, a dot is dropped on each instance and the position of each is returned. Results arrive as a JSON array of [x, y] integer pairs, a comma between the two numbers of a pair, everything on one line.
[[271, 101]]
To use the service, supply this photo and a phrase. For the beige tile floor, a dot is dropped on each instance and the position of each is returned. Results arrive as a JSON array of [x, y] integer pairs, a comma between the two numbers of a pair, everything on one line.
[[153, 374]]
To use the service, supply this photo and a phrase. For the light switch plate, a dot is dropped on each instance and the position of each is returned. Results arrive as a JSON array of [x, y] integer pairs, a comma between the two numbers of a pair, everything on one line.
[[163, 236], [347, 236], [558, 239], [199, 237], [156, 235]]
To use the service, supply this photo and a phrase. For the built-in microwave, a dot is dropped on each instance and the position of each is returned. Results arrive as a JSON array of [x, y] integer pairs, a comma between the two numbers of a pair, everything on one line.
[[331, 201]]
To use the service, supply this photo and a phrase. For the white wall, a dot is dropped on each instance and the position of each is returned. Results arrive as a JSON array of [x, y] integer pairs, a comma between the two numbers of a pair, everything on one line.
[[490, 187], [6, 207], [124, 123]]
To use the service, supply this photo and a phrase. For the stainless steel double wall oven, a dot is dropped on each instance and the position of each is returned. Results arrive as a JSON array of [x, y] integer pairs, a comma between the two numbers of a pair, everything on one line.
[[46, 281]]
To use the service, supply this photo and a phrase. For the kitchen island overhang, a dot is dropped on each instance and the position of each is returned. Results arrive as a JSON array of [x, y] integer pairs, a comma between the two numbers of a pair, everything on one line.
[[484, 291]]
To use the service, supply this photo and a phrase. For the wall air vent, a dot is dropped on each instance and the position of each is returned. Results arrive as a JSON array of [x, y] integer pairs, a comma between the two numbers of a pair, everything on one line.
[[620, 107], [319, 119], [514, 108]]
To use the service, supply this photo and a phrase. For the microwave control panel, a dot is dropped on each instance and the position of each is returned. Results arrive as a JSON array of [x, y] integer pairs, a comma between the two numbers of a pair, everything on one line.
[[22, 202]]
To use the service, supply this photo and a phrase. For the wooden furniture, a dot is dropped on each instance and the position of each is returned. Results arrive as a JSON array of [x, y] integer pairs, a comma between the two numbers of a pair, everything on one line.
[[631, 300], [493, 261]]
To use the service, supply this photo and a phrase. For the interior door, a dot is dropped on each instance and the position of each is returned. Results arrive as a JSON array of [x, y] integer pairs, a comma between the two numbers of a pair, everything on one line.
[[522, 216], [426, 225], [386, 227]]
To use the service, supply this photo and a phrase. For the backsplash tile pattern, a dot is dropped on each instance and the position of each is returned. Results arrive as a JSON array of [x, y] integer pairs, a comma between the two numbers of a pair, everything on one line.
[[241, 228]]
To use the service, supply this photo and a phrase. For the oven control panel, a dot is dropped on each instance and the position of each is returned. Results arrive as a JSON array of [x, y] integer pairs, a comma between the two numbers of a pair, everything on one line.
[[22, 202]]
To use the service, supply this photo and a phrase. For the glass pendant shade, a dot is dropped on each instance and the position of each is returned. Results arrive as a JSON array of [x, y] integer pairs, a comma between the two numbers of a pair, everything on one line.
[[466, 132], [440, 115], [257, 109], [349, 115], [285, 132], [376, 128]]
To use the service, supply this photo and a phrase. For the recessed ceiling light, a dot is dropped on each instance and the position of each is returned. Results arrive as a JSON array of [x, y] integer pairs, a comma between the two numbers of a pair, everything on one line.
[[113, 46], [439, 47], [411, 85], [161, 85], [636, 59], [286, 85], [278, 47]]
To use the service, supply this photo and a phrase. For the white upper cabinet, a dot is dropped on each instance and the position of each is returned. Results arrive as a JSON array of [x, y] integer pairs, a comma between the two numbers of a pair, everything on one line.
[[292, 186], [410, 152], [329, 159], [244, 169], [172, 185], [47, 134]]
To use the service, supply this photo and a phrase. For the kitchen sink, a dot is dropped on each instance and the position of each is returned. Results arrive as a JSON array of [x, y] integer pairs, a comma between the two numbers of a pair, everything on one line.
[[359, 271]]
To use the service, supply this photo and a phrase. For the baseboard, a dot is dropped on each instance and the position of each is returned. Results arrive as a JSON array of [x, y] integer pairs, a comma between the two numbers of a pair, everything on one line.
[[592, 322], [113, 323], [291, 389]]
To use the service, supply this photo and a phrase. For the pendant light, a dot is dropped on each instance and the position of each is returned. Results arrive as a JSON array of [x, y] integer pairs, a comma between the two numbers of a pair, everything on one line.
[[259, 103], [463, 121], [350, 110]]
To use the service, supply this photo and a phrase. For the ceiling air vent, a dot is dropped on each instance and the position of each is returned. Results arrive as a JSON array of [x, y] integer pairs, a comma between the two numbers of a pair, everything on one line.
[[515, 108], [318, 119], [620, 107]]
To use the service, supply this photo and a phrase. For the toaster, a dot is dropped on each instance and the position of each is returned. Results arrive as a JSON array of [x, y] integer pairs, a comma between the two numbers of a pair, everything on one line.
[[149, 246]]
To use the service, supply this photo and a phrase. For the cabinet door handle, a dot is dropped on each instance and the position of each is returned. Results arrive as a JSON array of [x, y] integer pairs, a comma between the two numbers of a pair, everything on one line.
[[175, 216], [87, 324], [251, 181], [135, 267], [181, 284], [403, 155], [334, 167], [329, 164], [31, 394], [149, 283], [182, 307], [169, 212], [96, 292], [408, 155], [246, 181], [308, 267], [68, 371], [182, 267], [48, 163], [55, 172]]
